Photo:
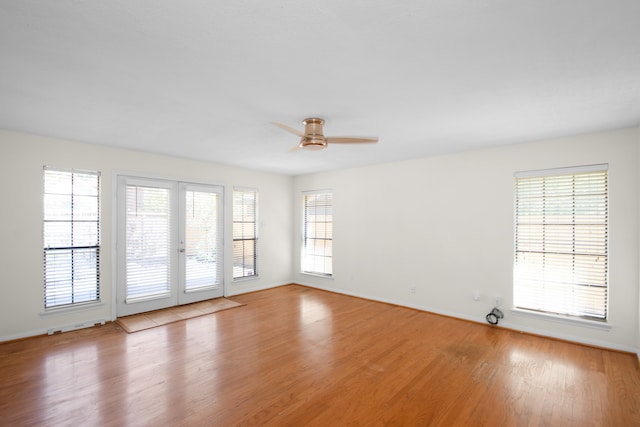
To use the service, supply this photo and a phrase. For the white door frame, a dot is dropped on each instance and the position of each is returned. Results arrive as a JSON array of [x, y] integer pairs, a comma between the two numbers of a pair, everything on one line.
[[177, 263]]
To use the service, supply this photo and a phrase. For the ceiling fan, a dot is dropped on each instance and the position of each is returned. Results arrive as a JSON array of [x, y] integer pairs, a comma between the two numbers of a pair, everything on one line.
[[313, 139]]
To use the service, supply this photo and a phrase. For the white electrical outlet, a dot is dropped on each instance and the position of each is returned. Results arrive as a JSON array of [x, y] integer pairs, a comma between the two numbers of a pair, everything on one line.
[[412, 289], [498, 300], [476, 295]]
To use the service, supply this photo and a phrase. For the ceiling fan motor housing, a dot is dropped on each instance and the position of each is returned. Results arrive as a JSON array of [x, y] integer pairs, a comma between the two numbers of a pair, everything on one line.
[[313, 137], [313, 144]]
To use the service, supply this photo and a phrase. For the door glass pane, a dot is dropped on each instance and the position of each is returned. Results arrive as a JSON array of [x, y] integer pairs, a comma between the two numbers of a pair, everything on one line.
[[201, 240], [148, 241]]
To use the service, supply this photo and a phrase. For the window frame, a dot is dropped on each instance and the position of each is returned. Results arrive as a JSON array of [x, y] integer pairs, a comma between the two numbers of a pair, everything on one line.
[[51, 273], [589, 265], [254, 237], [304, 255]]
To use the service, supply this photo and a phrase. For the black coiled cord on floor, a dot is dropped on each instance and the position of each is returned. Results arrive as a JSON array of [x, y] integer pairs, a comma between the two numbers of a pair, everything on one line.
[[494, 316]]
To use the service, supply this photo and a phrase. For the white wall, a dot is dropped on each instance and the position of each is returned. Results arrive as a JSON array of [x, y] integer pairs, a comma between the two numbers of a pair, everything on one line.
[[445, 225], [638, 336], [22, 157], [442, 224]]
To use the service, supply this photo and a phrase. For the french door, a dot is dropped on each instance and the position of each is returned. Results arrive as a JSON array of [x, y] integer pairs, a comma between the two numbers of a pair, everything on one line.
[[169, 247]]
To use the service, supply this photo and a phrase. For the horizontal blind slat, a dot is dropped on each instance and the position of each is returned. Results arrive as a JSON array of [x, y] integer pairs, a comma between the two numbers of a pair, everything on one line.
[[318, 233], [148, 234], [245, 233], [561, 253], [71, 237]]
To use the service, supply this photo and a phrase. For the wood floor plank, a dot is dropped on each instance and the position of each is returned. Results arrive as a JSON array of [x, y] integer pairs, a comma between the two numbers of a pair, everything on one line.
[[300, 356]]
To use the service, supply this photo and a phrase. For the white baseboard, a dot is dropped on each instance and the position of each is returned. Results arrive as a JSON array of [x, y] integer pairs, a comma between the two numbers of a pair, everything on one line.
[[23, 335], [76, 326], [572, 338], [248, 289], [89, 323], [504, 324], [51, 331], [235, 290]]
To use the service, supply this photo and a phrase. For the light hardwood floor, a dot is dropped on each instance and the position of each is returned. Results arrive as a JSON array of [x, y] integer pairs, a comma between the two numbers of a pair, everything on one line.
[[295, 356]]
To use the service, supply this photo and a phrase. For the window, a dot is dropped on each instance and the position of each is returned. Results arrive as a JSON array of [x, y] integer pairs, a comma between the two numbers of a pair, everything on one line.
[[317, 245], [561, 225], [71, 237], [245, 233], [148, 233]]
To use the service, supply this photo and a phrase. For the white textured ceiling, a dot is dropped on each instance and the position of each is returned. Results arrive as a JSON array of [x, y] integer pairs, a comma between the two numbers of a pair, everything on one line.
[[203, 79]]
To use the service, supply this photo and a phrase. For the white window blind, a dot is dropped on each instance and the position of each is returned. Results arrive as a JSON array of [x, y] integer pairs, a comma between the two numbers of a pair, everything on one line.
[[71, 234], [148, 241], [561, 242], [203, 239], [317, 245], [245, 233]]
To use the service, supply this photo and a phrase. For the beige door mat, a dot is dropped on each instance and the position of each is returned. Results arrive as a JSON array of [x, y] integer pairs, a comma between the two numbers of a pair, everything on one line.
[[151, 319]]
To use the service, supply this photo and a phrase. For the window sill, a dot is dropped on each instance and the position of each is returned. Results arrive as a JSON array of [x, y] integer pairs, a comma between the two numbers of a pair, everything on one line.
[[323, 276], [593, 324], [71, 309], [245, 279]]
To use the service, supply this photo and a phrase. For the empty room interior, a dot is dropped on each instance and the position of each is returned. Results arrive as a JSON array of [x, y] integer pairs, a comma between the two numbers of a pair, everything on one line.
[[320, 213]]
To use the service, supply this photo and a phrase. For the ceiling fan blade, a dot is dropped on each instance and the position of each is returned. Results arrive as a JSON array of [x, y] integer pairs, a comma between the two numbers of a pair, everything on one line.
[[351, 140], [289, 129], [295, 148]]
